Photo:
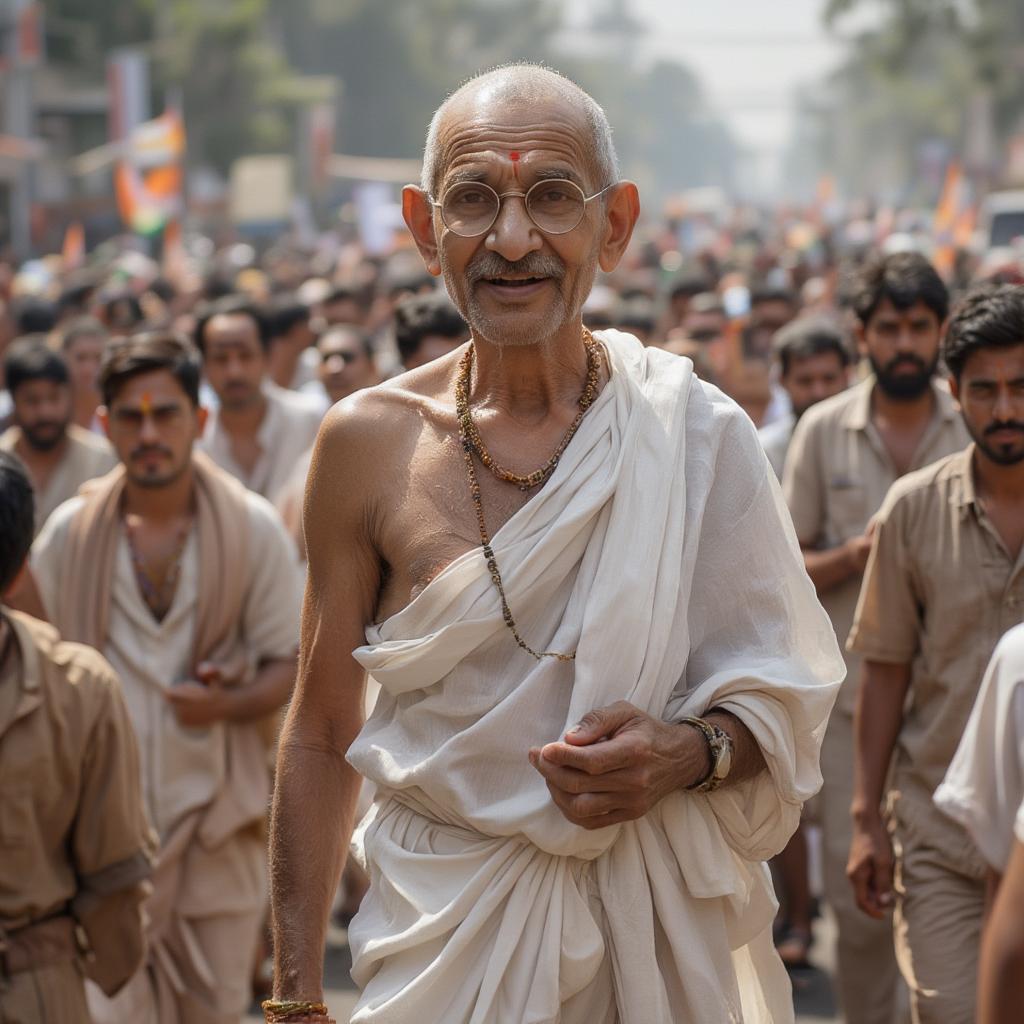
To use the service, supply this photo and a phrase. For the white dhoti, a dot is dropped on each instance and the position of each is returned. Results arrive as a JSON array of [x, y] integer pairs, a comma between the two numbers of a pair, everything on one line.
[[661, 552]]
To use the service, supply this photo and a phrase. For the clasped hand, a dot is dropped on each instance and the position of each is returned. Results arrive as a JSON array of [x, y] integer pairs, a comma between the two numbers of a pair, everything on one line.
[[201, 704], [617, 763]]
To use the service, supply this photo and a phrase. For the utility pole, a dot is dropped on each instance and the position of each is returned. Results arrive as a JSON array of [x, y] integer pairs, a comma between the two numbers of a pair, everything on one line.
[[22, 51]]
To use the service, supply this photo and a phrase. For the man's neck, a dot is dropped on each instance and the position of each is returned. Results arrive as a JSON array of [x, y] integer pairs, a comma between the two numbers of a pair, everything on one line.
[[85, 412], [161, 504], [243, 421], [284, 362], [527, 381], [902, 414], [1002, 484], [41, 461]]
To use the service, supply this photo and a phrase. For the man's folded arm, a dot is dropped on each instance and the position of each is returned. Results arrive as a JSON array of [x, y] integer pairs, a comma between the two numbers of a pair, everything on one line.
[[762, 650]]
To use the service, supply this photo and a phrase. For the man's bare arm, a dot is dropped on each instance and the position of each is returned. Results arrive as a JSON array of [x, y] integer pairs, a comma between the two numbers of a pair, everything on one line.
[[877, 721], [1001, 970], [832, 567], [316, 790]]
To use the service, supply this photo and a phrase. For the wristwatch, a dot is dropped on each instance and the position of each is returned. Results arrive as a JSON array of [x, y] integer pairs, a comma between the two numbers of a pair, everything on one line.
[[720, 748]]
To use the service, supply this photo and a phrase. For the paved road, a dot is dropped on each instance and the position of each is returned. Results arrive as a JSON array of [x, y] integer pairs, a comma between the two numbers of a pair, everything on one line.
[[811, 989]]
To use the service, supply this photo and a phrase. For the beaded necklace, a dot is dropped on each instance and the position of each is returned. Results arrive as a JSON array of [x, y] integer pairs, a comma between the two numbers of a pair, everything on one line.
[[158, 593], [468, 429], [473, 444]]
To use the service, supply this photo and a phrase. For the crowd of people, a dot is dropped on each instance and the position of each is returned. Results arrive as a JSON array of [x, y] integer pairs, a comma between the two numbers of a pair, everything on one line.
[[158, 429]]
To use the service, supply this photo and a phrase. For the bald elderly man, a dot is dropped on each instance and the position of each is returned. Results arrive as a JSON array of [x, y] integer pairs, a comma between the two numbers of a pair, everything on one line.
[[604, 671]]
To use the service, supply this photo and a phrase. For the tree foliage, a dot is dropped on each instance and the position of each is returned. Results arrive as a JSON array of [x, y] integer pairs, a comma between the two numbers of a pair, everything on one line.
[[242, 67], [918, 78]]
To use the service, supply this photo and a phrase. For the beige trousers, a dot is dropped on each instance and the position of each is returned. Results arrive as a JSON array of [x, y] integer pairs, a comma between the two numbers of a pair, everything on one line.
[[867, 979], [938, 918], [45, 996]]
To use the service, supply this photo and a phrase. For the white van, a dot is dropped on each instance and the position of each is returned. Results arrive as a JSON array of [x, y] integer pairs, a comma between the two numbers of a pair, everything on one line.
[[1001, 220]]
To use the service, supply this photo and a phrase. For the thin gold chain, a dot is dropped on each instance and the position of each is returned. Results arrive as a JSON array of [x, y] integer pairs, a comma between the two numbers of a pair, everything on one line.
[[472, 444]]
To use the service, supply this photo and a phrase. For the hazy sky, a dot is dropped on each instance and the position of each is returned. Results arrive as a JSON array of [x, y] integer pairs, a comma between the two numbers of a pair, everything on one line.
[[750, 55]]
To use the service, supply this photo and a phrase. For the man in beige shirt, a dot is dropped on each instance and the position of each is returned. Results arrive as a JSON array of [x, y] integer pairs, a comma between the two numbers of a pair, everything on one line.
[[75, 846], [259, 431], [944, 581], [58, 455], [188, 585], [845, 454]]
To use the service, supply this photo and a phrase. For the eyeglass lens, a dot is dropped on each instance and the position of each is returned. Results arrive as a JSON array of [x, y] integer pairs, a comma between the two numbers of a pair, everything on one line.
[[471, 208]]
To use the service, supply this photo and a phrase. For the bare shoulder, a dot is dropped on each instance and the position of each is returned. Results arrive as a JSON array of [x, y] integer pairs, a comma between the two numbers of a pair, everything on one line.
[[370, 436]]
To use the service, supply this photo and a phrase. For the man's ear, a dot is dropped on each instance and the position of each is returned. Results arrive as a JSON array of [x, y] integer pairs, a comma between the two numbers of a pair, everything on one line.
[[418, 212], [954, 388], [622, 209], [103, 415], [202, 415]]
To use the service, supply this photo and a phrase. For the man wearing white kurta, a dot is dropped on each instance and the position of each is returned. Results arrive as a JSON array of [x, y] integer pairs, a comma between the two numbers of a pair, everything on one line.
[[603, 689], [205, 652]]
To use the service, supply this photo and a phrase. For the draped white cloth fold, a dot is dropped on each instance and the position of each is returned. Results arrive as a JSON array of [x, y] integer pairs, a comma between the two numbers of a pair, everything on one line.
[[661, 551]]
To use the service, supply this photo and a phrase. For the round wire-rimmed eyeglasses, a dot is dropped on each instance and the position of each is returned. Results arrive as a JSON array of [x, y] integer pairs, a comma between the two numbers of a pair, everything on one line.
[[556, 206]]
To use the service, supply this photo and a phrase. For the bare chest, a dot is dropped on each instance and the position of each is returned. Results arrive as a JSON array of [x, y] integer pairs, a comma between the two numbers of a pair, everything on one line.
[[246, 451], [427, 518]]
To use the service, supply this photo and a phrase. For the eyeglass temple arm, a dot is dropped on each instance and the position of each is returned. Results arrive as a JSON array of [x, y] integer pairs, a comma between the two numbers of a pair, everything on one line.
[[587, 199]]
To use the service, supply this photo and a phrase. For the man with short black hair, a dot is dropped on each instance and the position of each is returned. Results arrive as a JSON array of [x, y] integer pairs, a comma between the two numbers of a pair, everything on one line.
[[771, 308], [426, 327], [75, 846], [944, 581], [292, 361], [343, 304], [813, 363], [82, 342], [33, 315], [259, 431], [347, 364], [845, 454], [187, 583], [59, 455]]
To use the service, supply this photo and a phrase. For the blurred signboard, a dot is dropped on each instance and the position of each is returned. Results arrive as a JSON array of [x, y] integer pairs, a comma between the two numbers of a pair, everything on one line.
[[261, 190]]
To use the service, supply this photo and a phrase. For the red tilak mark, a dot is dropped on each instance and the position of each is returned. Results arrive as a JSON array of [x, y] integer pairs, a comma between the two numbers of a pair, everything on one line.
[[514, 157]]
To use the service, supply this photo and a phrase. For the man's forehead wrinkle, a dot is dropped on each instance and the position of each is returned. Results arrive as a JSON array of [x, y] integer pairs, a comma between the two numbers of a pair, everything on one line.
[[467, 146]]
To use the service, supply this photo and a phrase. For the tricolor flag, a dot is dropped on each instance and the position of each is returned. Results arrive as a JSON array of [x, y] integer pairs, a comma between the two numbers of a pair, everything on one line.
[[148, 180]]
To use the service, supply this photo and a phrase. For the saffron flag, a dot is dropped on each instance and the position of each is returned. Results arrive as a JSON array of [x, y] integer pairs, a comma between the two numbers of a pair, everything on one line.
[[72, 252], [949, 215]]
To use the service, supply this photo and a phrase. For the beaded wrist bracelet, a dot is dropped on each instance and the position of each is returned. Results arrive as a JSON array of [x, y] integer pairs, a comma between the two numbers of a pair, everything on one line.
[[288, 1011]]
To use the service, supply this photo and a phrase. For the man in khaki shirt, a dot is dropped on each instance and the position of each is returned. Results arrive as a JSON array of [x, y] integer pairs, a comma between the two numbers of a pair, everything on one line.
[[945, 579], [75, 845], [58, 455], [845, 454]]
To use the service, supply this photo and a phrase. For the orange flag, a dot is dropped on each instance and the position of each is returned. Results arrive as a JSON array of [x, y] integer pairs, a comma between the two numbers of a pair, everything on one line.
[[72, 252]]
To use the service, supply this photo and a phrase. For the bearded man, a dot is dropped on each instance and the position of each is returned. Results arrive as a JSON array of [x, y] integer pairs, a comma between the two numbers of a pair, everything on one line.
[[58, 454], [845, 454], [604, 672]]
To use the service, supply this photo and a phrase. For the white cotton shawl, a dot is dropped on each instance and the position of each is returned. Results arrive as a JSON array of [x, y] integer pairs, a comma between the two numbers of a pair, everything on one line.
[[660, 550]]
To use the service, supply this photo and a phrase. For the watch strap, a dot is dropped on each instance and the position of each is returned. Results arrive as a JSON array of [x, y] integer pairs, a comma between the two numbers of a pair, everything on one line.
[[718, 740]]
